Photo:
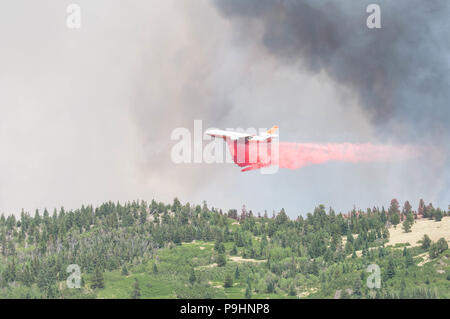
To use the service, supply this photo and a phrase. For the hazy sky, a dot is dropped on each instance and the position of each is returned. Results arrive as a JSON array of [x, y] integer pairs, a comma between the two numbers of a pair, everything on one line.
[[86, 114]]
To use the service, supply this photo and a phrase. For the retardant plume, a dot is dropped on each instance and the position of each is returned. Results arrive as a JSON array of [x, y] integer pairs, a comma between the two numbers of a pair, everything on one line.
[[297, 155], [255, 155]]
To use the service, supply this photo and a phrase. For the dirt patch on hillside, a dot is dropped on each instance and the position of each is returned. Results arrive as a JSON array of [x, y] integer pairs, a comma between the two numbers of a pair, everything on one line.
[[435, 230], [306, 293], [426, 258], [217, 286], [239, 259], [207, 266], [432, 228]]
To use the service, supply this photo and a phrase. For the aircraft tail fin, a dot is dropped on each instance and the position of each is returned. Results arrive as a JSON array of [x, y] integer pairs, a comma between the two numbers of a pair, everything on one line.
[[273, 129]]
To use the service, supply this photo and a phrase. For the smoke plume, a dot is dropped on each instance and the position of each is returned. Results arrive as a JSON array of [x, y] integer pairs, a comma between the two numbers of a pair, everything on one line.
[[399, 72], [87, 114]]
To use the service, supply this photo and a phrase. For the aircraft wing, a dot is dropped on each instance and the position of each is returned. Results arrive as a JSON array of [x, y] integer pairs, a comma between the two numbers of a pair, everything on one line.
[[227, 134]]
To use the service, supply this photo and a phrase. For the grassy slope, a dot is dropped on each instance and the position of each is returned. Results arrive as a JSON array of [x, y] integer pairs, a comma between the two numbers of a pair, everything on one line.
[[171, 261], [174, 266]]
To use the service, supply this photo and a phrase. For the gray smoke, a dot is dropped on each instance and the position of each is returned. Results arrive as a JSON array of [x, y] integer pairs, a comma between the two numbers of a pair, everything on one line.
[[86, 115], [399, 72]]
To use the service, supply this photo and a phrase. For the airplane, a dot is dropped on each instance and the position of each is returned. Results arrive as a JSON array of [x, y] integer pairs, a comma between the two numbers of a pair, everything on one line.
[[245, 148]]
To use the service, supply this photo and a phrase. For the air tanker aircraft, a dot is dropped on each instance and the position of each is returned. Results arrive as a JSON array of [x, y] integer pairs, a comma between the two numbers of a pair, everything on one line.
[[248, 151]]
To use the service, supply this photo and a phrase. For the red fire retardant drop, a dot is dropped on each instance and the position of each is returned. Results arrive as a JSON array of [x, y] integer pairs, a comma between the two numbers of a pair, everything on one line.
[[297, 155]]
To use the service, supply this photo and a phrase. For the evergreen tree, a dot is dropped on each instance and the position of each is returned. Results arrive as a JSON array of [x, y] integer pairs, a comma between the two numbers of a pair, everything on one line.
[[394, 207], [228, 281], [292, 291], [3, 242], [409, 261], [407, 208], [97, 280], [438, 214], [219, 247], [221, 260], [433, 251], [390, 271], [421, 208], [394, 212], [248, 292], [136, 290], [46, 282], [426, 242], [124, 270], [407, 224], [395, 219], [192, 277], [357, 288], [442, 245], [237, 274]]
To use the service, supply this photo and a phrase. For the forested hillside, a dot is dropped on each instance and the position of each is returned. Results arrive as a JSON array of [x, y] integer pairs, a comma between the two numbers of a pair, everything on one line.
[[142, 250]]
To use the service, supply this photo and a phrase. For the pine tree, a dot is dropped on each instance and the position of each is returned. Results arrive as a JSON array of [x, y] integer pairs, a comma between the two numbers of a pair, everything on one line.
[[409, 261], [421, 208], [395, 219], [442, 245], [248, 292], [237, 274], [124, 270], [192, 277], [98, 281], [221, 260], [292, 291], [228, 281], [433, 251], [390, 271], [46, 281], [27, 276], [3, 242], [219, 247], [407, 208], [136, 294], [438, 215], [402, 289], [394, 207], [407, 226], [357, 288], [426, 242]]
